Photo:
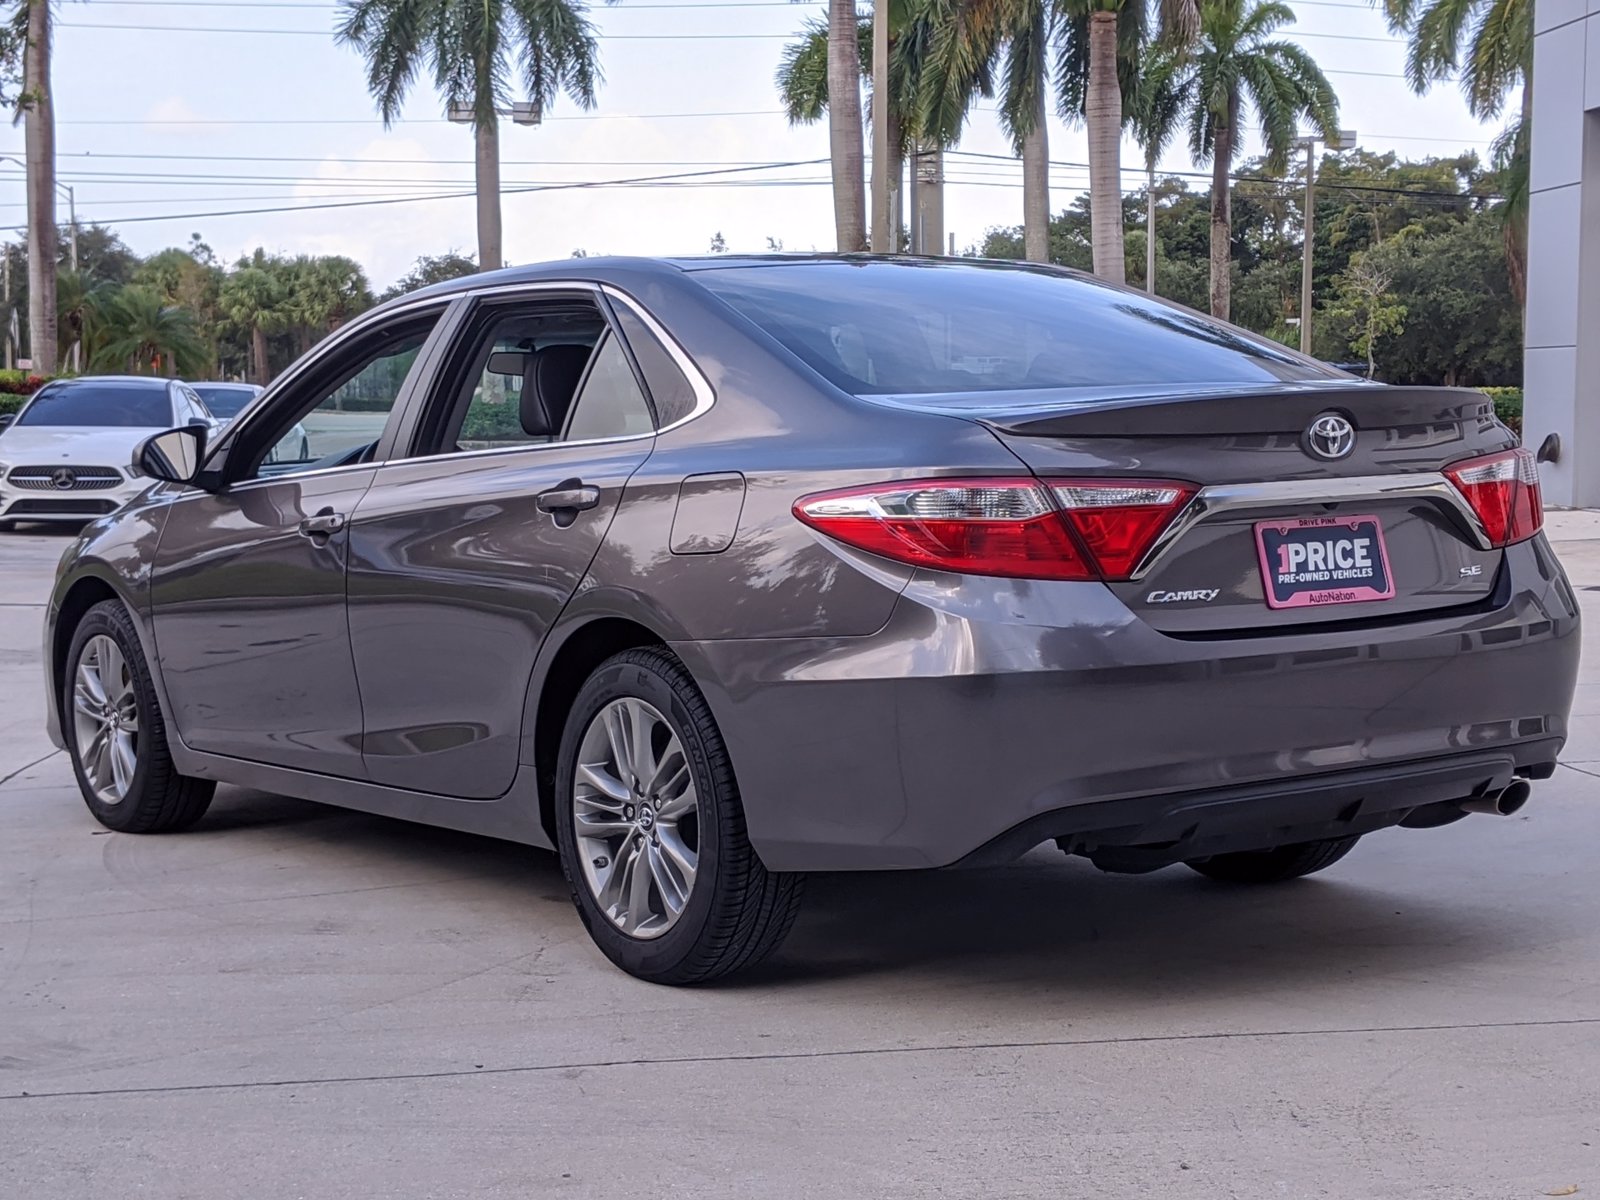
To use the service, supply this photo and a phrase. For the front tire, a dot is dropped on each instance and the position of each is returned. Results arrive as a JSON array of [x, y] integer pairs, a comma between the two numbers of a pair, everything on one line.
[[1277, 865], [651, 829], [114, 731]]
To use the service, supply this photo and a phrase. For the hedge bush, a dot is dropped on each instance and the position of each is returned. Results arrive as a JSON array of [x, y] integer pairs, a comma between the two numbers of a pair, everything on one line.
[[1507, 405], [18, 383]]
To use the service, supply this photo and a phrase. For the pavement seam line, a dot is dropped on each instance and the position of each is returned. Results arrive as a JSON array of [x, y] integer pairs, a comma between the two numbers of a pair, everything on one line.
[[794, 1055], [1567, 765], [27, 767]]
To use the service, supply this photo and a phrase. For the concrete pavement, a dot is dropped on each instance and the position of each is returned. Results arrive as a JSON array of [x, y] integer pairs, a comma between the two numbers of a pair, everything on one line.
[[291, 1001]]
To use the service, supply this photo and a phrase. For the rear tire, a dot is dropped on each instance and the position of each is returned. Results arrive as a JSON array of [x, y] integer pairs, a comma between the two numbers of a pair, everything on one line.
[[661, 870], [1277, 865], [115, 736]]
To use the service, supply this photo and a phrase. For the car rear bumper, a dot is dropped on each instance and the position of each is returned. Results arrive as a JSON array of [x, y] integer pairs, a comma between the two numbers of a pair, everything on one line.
[[983, 716]]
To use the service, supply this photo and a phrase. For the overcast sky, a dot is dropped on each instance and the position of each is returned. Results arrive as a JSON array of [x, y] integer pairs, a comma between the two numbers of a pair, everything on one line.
[[166, 117]]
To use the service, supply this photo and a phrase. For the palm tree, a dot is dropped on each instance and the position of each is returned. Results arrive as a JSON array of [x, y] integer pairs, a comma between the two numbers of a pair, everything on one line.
[[254, 299], [474, 51], [1488, 46], [1235, 61], [804, 84], [80, 299], [845, 149], [142, 333], [38, 108]]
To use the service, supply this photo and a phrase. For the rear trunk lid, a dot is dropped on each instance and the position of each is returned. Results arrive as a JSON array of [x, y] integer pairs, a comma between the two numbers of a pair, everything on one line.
[[1281, 535]]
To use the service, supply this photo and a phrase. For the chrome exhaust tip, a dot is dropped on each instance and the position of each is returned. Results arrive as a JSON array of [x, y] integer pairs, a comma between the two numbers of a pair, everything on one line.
[[1504, 803]]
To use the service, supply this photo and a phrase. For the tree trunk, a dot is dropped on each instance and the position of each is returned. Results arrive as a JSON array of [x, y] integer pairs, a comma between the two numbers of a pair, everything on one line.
[[844, 127], [1103, 116], [1036, 186], [1516, 234], [491, 256], [882, 156], [1222, 215], [897, 176], [258, 354], [40, 137]]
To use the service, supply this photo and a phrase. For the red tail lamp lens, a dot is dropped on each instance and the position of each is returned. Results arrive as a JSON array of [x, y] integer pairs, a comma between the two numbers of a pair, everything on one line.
[[1014, 527], [1503, 489]]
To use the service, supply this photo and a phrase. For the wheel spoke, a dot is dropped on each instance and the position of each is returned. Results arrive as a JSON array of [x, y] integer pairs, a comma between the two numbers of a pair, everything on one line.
[[609, 894], [122, 762], [643, 764], [96, 758], [664, 781], [672, 880], [638, 910], [604, 782], [617, 731], [89, 681], [84, 698]]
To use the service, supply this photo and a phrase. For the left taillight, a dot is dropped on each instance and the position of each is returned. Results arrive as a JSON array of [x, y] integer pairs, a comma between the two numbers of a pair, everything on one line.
[[1015, 527], [1503, 489]]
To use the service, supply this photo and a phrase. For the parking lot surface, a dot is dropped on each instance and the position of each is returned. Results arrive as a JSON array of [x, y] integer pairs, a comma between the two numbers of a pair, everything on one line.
[[295, 1001]]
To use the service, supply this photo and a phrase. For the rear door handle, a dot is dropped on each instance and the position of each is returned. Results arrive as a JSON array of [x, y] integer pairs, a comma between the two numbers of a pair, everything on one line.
[[568, 498], [324, 523]]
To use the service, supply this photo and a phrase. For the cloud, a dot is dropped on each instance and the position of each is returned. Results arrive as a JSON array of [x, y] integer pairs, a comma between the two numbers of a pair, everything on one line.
[[174, 115]]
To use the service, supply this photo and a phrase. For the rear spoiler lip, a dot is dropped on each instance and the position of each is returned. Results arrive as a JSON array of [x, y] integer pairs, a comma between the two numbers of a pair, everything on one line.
[[1214, 411]]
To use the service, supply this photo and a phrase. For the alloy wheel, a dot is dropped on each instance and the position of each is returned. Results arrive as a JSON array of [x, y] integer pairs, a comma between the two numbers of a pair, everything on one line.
[[105, 719], [636, 818]]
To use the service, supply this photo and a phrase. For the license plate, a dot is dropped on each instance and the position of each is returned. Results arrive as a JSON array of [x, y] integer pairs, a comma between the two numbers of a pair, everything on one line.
[[1323, 560]]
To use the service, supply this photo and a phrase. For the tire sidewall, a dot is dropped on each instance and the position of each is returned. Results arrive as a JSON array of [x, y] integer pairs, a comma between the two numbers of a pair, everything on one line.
[[101, 621], [656, 956]]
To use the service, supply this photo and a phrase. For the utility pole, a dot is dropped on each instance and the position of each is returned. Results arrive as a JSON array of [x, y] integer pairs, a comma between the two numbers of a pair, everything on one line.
[[40, 139], [1346, 140], [882, 240], [10, 323], [1150, 231]]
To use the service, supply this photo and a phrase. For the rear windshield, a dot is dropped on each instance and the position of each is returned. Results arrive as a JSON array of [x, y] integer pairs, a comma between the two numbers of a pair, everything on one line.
[[921, 328], [125, 405], [224, 400]]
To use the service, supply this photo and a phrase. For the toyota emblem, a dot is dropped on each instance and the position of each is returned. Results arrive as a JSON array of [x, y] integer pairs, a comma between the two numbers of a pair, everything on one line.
[[63, 477], [1330, 436]]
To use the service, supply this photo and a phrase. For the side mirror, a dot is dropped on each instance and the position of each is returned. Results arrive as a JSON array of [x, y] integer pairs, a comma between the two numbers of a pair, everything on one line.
[[6, 419], [197, 423], [174, 456]]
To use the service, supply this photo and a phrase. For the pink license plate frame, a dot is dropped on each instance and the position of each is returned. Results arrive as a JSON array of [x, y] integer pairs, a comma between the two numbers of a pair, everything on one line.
[[1348, 581]]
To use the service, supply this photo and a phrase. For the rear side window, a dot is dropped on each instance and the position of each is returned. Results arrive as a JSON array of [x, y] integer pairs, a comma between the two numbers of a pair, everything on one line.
[[926, 328], [669, 387], [609, 403], [120, 405]]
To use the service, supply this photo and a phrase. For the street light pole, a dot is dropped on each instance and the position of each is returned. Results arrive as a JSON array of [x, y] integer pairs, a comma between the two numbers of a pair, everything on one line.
[[1346, 140], [1150, 232]]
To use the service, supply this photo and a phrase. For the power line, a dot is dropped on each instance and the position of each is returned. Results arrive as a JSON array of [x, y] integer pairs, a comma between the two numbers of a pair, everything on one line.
[[754, 112], [323, 33]]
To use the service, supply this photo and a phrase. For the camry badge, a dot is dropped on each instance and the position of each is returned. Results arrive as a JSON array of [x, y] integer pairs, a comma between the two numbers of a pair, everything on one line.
[[1330, 436]]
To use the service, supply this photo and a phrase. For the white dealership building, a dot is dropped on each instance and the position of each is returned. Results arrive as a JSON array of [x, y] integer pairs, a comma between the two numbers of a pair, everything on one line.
[[1562, 373]]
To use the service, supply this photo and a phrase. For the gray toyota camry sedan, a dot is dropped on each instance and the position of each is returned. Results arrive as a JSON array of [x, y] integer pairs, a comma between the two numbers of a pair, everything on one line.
[[710, 573]]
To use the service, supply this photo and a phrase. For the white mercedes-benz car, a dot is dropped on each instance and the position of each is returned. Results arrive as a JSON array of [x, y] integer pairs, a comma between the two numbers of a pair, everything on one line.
[[67, 456]]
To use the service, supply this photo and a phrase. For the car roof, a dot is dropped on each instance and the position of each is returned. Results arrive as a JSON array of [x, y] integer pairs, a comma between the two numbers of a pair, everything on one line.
[[144, 380], [612, 268]]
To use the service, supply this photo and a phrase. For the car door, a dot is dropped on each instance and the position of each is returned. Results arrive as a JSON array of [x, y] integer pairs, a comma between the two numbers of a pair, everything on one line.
[[462, 556], [248, 584]]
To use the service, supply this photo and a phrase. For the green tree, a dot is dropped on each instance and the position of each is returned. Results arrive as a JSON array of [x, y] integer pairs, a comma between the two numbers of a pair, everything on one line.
[[1236, 62], [430, 269], [1365, 301], [476, 51], [254, 300], [1487, 46], [141, 333]]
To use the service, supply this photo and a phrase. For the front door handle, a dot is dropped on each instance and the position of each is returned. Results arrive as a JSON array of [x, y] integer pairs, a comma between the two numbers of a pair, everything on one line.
[[323, 524], [571, 497]]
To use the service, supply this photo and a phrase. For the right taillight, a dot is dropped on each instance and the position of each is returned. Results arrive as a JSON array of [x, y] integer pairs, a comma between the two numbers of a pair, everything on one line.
[[1503, 489], [1019, 527]]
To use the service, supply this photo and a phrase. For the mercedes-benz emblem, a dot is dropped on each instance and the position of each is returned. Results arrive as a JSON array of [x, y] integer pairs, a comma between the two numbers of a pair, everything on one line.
[[63, 477], [1330, 436]]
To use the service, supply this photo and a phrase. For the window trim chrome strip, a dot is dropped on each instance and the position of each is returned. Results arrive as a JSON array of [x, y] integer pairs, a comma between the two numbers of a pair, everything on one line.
[[1217, 499], [704, 395]]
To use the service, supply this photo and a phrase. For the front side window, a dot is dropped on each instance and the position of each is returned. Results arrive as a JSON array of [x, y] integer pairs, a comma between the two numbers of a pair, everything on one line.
[[344, 407], [535, 373], [90, 403]]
